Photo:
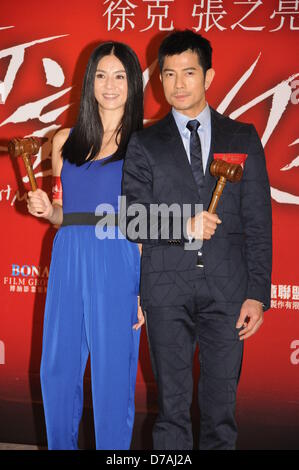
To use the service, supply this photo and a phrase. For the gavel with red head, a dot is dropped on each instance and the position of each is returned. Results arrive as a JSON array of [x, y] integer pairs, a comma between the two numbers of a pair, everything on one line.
[[26, 147], [225, 172]]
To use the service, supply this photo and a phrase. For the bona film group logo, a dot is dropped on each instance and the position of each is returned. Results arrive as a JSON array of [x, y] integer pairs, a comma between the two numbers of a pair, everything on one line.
[[27, 279]]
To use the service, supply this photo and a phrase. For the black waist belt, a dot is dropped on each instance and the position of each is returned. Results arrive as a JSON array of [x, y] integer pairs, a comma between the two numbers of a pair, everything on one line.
[[89, 218]]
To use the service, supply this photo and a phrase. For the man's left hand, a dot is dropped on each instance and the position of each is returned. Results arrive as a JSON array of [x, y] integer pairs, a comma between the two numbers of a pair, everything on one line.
[[251, 317]]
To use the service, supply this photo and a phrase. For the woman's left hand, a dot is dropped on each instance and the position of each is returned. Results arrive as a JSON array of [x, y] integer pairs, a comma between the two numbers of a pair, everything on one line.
[[140, 317]]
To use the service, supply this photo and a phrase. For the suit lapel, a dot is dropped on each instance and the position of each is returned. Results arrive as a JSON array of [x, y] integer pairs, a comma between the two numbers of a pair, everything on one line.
[[177, 151], [218, 145], [175, 147]]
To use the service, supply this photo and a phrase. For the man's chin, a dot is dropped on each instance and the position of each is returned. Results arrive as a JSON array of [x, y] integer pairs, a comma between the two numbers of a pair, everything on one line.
[[187, 107], [180, 106]]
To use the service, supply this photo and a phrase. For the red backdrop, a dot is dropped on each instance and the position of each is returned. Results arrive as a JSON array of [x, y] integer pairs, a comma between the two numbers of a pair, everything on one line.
[[44, 49]]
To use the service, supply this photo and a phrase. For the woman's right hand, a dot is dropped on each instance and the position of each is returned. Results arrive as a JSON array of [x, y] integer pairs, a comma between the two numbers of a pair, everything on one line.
[[39, 204]]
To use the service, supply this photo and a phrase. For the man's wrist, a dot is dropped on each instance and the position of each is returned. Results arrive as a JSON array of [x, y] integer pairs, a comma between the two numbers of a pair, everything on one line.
[[259, 302], [190, 229]]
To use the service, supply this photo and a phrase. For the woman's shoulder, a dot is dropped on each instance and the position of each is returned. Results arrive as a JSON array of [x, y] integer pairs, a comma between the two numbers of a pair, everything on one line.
[[61, 136], [58, 141]]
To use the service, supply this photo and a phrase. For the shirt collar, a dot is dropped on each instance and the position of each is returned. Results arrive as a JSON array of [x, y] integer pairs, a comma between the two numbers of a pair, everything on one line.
[[204, 117]]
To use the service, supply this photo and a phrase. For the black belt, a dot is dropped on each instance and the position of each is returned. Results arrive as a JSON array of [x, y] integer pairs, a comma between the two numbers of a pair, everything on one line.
[[88, 218]]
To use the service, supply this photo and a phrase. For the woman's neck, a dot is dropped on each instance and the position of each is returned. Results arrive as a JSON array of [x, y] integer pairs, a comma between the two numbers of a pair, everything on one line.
[[111, 120]]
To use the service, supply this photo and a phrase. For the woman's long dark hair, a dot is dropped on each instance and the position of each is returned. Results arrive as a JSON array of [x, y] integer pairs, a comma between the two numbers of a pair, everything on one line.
[[85, 140]]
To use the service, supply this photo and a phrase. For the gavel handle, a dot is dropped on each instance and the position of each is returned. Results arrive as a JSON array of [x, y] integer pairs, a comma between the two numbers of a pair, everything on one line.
[[28, 165], [216, 195], [212, 209]]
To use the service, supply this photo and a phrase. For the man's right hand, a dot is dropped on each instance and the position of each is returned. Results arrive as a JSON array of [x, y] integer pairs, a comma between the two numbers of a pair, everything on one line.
[[203, 225]]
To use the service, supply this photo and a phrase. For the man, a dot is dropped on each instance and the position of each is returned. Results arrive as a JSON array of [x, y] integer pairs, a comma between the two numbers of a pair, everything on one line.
[[218, 302]]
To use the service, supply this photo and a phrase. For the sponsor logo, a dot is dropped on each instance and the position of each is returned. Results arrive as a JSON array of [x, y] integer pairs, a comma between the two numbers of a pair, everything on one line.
[[27, 278], [284, 296]]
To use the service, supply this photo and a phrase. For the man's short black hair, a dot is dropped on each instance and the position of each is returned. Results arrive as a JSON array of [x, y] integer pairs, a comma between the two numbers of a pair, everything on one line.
[[181, 41]]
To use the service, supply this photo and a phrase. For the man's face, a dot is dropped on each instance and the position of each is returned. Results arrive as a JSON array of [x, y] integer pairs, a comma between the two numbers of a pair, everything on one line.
[[184, 83]]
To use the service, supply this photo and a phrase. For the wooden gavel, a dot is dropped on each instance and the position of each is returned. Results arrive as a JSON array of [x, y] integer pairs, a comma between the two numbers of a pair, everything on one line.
[[225, 172], [26, 147]]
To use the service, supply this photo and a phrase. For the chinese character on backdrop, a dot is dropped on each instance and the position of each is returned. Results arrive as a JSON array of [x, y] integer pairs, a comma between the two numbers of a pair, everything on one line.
[[157, 12], [287, 10], [209, 12], [120, 14]]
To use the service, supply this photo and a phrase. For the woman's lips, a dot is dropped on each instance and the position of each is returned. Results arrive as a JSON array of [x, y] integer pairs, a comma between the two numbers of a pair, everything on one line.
[[109, 96]]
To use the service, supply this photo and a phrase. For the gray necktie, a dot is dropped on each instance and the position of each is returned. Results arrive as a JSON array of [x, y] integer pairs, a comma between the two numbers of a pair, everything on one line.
[[195, 153]]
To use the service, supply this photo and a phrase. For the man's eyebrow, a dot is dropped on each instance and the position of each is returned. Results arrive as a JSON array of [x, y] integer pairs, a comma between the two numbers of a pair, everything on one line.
[[190, 68], [172, 70]]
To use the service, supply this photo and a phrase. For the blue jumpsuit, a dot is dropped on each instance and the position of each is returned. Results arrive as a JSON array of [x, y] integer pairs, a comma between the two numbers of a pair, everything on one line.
[[91, 306]]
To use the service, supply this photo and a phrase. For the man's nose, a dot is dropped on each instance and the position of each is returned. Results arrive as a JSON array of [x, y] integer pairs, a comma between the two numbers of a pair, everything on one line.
[[179, 82]]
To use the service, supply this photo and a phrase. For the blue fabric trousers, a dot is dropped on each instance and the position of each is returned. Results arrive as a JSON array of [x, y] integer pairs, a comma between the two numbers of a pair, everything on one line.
[[91, 306]]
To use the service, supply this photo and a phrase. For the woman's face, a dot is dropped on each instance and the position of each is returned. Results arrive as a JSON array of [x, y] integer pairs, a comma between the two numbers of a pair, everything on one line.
[[110, 84]]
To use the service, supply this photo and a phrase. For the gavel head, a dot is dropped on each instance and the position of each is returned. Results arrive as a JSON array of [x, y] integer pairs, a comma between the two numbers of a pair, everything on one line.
[[29, 145], [229, 171]]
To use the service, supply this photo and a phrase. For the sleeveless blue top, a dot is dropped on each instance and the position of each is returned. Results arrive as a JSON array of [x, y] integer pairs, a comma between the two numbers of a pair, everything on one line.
[[85, 187]]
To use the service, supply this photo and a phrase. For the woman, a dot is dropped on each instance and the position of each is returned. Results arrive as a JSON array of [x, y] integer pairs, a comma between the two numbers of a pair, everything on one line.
[[91, 305]]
